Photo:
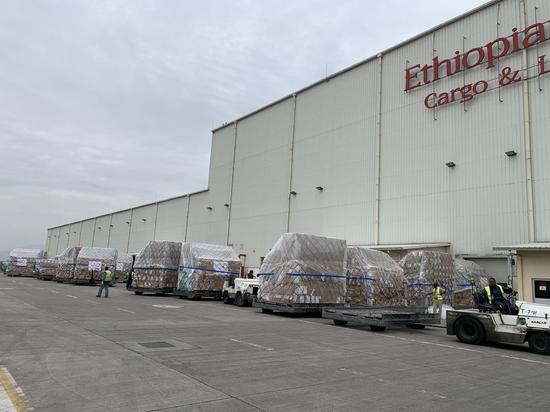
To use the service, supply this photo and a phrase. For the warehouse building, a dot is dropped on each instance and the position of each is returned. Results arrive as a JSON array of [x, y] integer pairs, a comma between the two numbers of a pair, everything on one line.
[[441, 142]]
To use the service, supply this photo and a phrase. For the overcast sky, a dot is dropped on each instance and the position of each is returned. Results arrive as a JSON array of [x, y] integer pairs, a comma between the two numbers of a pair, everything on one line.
[[109, 104]]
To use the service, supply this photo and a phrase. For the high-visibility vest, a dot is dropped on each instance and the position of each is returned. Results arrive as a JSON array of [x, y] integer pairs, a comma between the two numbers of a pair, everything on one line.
[[108, 276], [438, 295], [489, 296]]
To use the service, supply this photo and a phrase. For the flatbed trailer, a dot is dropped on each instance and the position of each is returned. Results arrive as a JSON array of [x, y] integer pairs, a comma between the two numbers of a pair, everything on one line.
[[154, 291], [299, 308], [198, 294], [378, 319]]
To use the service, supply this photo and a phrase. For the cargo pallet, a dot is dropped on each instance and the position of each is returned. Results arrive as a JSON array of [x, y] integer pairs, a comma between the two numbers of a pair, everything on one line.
[[198, 294], [45, 277], [378, 319], [300, 308], [18, 275], [84, 282], [156, 291]]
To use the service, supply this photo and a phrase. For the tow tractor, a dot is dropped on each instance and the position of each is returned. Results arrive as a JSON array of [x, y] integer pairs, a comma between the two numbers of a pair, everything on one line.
[[240, 291], [487, 323]]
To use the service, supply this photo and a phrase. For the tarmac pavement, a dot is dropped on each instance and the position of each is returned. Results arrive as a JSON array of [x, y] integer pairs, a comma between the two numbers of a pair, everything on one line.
[[66, 350]]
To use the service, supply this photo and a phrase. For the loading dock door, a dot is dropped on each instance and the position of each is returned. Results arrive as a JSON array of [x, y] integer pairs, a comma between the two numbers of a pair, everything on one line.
[[541, 290]]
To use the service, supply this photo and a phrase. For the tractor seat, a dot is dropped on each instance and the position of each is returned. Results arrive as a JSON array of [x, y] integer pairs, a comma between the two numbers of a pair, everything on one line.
[[482, 304]]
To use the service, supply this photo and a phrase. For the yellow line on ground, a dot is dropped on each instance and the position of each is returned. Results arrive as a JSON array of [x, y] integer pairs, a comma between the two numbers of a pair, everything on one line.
[[12, 392]]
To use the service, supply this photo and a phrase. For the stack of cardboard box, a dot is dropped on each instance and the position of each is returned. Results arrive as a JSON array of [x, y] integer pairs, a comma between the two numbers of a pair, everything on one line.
[[67, 263], [304, 269], [205, 267], [374, 279], [91, 262], [23, 261], [156, 266], [423, 269]]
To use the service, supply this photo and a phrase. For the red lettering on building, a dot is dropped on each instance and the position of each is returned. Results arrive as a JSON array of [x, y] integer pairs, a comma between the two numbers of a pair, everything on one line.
[[542, 66], [417, 75]]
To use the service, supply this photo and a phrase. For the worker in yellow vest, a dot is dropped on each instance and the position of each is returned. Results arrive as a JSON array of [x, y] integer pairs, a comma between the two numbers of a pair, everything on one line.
[[106, 280], [494, 295], [438, 299]]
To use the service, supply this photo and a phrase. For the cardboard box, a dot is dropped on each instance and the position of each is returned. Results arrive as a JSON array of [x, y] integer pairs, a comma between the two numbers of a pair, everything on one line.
[[156, 266], [374, 279], [304, 269]]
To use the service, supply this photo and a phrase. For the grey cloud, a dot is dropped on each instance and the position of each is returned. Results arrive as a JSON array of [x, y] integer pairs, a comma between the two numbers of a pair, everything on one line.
[[108, 104]]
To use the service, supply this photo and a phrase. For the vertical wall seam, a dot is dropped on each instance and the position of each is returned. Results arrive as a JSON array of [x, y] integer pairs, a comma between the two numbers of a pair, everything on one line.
[[130, 230], [527, 134], [187, 217], [291, 165], [93, 233], [231, 184], [80, 234], [378, 154], [155, 225], [109, 234]]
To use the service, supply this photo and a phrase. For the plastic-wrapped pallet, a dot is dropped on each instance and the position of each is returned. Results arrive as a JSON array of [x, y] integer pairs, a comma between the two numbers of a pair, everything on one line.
[[23, 261], [91, 263], [123, 266], [205, 267], [67, 263], [424, 268], [46, 269], [156, 266], [304, 269], [374, 279], [471, 275]]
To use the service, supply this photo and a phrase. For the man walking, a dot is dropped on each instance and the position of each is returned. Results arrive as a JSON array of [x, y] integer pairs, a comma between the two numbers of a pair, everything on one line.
[[129, 279], [438, 292], [106, 281]]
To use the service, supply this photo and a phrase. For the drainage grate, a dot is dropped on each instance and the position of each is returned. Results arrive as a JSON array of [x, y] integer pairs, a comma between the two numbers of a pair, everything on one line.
[[157, 345]]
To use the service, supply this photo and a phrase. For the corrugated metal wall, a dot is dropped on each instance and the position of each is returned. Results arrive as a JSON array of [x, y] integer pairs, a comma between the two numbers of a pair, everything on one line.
[[327, 135], [261, 180]]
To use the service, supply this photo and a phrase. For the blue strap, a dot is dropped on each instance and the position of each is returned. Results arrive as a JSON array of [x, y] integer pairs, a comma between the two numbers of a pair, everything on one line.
[[210, 270], [412, 285], [362, 278], [153, 268], [316, 275], [321, 275]]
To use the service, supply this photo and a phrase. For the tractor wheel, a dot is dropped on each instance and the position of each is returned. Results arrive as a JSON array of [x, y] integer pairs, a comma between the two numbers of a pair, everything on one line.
[[470, 331], [226, 299], [267, 311], [539, 342], [339, 322], [138, 292], [239, 299]]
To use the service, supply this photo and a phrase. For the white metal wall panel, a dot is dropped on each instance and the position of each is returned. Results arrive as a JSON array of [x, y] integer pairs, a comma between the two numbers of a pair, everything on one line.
[[481, 202], [211, 225], [87, 234], [120, 231], [56, 238], [142, 229], [261, 183], [74, 234], [102, 229], [539, 88], [335, 140], [50, 244], [63, 237], [205, 225], [171, 219], [496, 267]]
